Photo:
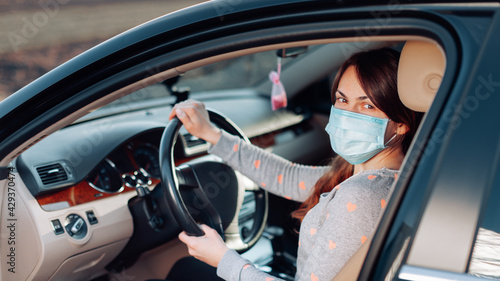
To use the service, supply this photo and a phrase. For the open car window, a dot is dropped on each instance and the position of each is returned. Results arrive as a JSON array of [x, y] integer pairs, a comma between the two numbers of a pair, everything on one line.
[[485, 257]]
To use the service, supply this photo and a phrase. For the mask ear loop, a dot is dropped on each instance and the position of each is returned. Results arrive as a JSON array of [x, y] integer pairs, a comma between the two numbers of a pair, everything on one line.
[[395, 135]]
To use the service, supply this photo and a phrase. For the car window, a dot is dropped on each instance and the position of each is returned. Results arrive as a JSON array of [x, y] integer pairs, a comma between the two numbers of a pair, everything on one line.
[[237, 73], [240, 72], [243, 72], [485, 260]]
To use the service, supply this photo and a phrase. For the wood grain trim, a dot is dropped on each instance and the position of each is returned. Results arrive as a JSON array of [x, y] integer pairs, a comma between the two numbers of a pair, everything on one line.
[[84, 193], [79, 194]]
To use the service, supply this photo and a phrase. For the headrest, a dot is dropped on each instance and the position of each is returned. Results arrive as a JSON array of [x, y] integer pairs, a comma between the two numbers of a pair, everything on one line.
[[420, 71]]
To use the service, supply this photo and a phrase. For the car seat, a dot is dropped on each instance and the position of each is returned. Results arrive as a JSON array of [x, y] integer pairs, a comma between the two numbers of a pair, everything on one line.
[[420, 71]]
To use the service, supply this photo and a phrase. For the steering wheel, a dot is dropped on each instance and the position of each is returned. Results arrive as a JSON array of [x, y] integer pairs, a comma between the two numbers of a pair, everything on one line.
[[210, 191]]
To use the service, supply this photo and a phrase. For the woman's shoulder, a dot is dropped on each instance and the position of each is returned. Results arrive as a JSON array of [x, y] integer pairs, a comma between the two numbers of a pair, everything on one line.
[[372, 179], [383, 173]]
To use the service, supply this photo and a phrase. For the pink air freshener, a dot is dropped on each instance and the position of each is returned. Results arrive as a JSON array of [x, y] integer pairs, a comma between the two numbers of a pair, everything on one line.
[[278, 94]]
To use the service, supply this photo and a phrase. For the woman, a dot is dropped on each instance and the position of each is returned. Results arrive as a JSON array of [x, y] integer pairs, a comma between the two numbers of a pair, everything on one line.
[[370, 130]]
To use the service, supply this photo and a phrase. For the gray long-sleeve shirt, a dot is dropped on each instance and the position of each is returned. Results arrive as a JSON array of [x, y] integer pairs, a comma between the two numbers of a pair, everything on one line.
[[331, 232]]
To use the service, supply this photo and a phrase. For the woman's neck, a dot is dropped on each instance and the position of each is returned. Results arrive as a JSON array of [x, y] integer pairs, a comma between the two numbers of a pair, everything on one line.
[[387, 158]]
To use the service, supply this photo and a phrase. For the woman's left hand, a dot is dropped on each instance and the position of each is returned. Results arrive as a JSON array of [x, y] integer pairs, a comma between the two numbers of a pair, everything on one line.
[[209, 248]]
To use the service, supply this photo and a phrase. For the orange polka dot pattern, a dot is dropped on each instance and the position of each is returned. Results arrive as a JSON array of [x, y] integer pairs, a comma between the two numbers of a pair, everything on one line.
[[353, 205]]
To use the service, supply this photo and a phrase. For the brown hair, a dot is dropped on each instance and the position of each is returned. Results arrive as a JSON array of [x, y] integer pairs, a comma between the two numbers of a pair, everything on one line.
[[377, 73]]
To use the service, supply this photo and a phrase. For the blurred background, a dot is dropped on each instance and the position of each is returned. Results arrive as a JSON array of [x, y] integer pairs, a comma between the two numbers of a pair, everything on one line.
[[38, 35]]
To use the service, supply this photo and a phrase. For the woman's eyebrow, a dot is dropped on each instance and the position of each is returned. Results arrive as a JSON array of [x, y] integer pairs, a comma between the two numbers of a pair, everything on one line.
[[358, 98]]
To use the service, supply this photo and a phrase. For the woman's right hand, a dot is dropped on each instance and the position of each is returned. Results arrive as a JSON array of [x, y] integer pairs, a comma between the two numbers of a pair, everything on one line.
[[195, 118]]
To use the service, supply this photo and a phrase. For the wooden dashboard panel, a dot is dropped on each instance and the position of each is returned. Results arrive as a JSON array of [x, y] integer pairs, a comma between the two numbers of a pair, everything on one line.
[[75, 195], [84, 193]]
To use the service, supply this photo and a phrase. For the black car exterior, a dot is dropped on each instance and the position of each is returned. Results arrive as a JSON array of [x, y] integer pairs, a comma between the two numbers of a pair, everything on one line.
[[449, 184]]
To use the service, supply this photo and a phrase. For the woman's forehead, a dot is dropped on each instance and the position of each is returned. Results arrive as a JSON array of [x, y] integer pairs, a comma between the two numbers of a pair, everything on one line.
[[349, 85]]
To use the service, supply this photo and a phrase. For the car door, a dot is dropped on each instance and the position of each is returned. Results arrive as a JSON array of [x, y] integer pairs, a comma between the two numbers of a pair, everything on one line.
[[437, 228]]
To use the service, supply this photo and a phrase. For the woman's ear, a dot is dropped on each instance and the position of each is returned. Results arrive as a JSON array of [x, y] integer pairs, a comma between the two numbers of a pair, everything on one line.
[[402, 129]]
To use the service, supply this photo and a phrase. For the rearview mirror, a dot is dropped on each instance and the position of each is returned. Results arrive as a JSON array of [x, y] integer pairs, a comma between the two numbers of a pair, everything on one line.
[[291, 52]]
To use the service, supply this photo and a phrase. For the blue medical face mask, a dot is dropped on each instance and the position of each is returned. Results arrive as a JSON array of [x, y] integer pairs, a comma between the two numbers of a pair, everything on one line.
[[356, 137]]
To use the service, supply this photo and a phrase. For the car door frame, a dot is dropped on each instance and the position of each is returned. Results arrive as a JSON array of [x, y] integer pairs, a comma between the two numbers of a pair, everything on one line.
[[437, 199]]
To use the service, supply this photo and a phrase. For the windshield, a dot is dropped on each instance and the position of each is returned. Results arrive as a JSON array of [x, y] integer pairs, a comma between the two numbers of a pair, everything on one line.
[[237, 73], [245, 72]]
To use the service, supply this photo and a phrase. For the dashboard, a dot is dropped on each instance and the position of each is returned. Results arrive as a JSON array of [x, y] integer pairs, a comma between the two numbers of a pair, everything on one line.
[[83, 182], [96, 159], [131, 164]]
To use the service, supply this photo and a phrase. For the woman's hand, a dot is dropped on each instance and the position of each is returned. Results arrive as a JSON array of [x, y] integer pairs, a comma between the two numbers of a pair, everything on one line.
[[208, 248], [195, 118]]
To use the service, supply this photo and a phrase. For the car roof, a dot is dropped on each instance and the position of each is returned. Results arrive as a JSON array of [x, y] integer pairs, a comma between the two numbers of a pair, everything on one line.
[[192, 18]]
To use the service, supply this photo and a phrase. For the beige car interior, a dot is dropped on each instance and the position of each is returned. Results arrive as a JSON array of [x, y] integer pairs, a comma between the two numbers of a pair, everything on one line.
[[48, 257], [421, 69]]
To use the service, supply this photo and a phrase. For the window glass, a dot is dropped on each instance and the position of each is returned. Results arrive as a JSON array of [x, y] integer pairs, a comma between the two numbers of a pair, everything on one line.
[[485, 259], [243, 72]]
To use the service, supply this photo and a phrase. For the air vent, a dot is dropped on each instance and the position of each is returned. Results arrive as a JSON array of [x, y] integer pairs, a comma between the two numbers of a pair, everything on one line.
[[52, 173]]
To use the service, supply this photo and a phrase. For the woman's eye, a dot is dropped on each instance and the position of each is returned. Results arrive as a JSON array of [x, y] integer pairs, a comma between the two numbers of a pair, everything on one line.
[[368, 106], [342, 100]]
